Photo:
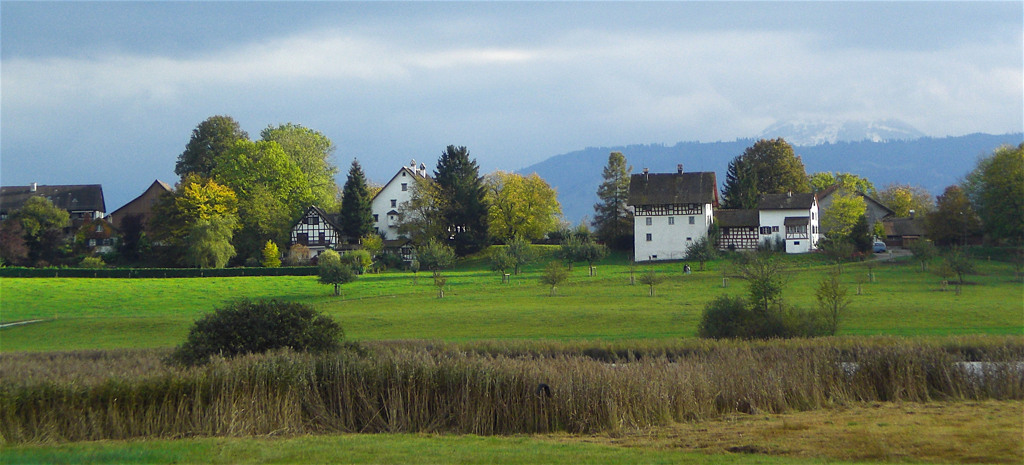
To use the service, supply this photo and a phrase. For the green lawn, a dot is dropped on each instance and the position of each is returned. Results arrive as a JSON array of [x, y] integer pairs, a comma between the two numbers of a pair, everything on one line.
[[371, 449], [83, 313]]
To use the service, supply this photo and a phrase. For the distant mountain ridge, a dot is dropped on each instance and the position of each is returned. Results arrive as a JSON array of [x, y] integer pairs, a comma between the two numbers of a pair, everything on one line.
[[817, 132], [932, 163]]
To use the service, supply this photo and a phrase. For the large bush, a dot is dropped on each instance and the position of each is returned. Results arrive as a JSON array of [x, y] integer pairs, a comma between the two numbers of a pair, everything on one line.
[[735, 318], [246, 326]]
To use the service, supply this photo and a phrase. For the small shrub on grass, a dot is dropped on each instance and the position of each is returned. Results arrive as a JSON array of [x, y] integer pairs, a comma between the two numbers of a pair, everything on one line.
[[246, 327], [735, 318], [92, 262]]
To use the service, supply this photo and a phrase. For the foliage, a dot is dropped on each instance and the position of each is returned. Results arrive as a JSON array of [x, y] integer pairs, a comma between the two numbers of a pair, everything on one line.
[[846, 209], [435, 255], [553, 275], [832, 300], [38, 215], [954, 220], [996, 190], [13, 248], [767, 167], [356, 207], [271, 255], [272, 192], [373, 244], [298, 254], [133, 244], [848, 181], [959, 262], [311, 152], [333, 271], [904, 198], [208, 243], [176, 214], [500, 259], [359, 259], [422, 217], [924, 251], [839, 250], [465, 208], [651, 278], [246, 327], [728, 317], [613, 220], [763, 272], [520, 253], [524, 206], [725, 317], [92, 263], [702, 250], [210, 139], [861, 235]]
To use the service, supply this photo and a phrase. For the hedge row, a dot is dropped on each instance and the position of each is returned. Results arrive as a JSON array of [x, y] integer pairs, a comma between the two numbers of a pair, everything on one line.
[[22, 272]]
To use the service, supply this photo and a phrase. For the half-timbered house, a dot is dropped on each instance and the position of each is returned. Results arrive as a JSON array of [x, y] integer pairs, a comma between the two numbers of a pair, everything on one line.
[[738, 229], [317, 230]]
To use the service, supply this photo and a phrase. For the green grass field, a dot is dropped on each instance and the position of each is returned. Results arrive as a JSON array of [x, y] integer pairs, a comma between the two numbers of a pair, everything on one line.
[[82, 313]]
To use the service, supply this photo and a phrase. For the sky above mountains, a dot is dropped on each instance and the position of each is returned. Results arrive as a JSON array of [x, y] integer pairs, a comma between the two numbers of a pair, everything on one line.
[[108, 93]]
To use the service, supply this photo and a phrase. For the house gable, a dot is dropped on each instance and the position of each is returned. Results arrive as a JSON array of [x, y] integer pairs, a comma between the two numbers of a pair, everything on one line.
[[386, 204], [317, 230], [141, 205], [671, 212]]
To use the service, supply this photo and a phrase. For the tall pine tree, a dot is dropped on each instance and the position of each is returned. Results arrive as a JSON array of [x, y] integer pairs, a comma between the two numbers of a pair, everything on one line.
[[465, 212], [356, 210], [613, 222]]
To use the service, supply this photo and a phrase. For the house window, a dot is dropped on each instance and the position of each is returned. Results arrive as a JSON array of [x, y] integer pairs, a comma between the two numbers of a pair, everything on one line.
[[99, 228], [394, 203], [649, 237], [766, 230], [405, 186], [323, 237], [671, 220], [688, 239], [302, 238], [796, 242], [649, 221], [775, 229], [92, 242], [693, 220]]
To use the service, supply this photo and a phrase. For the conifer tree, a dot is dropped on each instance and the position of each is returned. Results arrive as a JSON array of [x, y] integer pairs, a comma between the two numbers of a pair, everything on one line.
[[356, 210], [612, 220], [465, 207]]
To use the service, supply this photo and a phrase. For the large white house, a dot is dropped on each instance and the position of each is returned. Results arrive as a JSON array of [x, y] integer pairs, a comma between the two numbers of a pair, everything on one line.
[[670, 212], [789, 217], [386, 203]]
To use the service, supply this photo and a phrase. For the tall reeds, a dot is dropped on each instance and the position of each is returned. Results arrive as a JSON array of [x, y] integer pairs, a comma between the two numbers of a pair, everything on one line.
[[485, 388]]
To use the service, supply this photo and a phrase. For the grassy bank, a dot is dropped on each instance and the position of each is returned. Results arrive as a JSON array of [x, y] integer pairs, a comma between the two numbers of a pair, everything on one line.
[[87, 313], [441, 388]]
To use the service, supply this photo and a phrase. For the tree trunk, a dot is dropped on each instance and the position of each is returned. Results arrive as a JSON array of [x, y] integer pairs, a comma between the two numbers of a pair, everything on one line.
[[337, 289]]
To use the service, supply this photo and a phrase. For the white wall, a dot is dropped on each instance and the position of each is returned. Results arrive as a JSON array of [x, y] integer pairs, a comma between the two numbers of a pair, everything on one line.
[[668, 242], [776, 219], [382, 203]]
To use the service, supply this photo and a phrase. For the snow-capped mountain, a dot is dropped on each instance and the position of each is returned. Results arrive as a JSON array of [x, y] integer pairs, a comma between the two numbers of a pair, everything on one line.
[[817, 132]]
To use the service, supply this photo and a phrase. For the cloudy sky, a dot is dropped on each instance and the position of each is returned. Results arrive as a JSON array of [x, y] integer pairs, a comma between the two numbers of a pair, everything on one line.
[[108, 93]]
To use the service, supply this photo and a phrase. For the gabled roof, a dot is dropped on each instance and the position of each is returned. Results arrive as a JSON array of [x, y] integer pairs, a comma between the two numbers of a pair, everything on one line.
[[736, 218], [673, 188], [157, 184], [787, 201], [406, 169], [85, 197], [796, 220], [334, 220]]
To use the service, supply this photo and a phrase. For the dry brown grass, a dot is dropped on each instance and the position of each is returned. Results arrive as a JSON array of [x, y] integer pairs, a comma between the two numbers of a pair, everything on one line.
[[938, 432]]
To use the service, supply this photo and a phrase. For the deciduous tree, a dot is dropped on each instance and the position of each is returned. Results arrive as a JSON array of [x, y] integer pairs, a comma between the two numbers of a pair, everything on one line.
[[849, 181], [421, 218], [271, 255], [178, 215], [954, 220], [208, 243], [996, 189], [210, 139], [333, 272], [902, 198], [613, 221], [846, 208], [435, 255], [311, 151], [524, 206], [767, 167], [553, 275]]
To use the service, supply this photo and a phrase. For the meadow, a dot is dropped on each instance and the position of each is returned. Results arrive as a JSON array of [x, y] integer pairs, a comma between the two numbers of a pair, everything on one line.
[[84, 313], [630, 383]]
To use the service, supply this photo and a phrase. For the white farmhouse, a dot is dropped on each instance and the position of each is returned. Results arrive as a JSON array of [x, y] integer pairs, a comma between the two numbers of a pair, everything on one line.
[[386, 203], [789, 217], [670, 212]]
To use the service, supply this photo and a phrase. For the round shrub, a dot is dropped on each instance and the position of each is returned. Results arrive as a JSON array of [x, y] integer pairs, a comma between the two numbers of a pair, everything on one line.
[[247, 326]]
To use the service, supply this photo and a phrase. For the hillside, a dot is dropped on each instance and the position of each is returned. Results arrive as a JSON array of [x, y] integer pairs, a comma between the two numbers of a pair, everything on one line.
[[932, 163]]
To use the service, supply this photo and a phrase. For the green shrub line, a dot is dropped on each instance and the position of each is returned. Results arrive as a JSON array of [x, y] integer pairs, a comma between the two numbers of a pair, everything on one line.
[[428, 387], [24, 272]]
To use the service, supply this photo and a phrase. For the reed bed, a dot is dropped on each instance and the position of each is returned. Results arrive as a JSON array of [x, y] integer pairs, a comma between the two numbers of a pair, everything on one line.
[[485, 388]]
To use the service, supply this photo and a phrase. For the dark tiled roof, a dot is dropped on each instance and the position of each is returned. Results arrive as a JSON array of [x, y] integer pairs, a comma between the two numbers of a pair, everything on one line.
[[673, 188], [332, 219], [737, 218], [904, 227], [86, 197], [796, 220], [785, 201]]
